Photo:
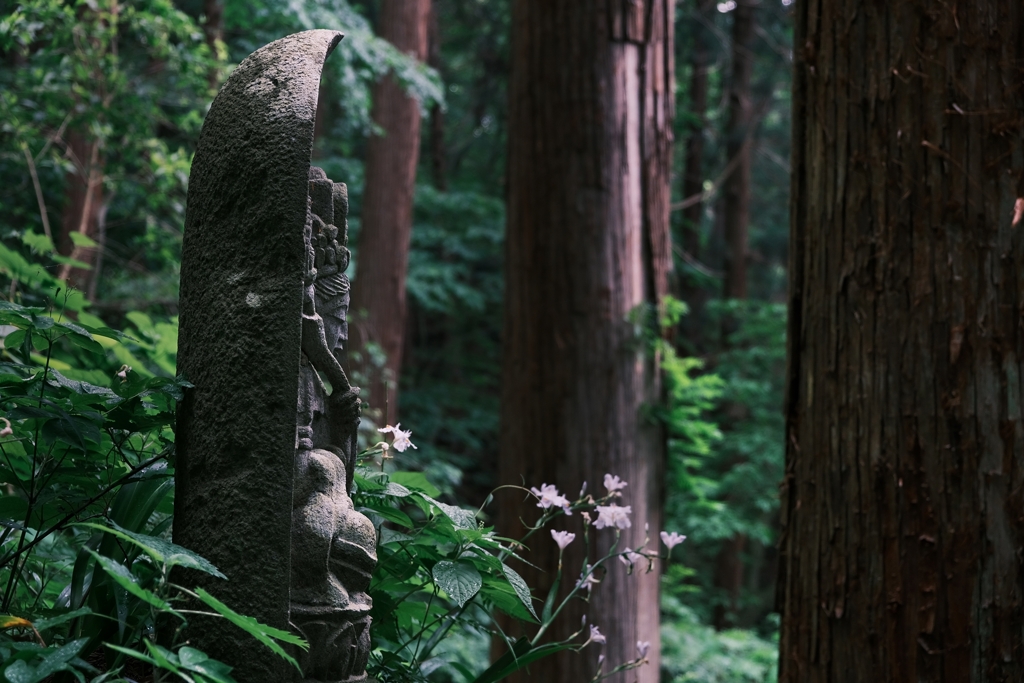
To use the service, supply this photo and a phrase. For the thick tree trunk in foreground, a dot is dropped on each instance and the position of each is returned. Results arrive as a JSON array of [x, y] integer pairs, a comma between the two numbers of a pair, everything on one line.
[[902, 508], [588, 242], [391, 160]]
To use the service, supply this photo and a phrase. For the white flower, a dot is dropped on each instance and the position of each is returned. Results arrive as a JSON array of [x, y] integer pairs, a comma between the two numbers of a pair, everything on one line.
[[613, 516], [401, 438], [600, 661], [614, 484], [123, 372], [595, 635], [562, 538], [671, 540], [630, 557], [587, 579], [642, 648], [6, 431], [550, 497], [586, 518]]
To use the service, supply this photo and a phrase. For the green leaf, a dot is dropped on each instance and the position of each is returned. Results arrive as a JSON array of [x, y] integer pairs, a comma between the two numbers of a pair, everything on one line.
[[163, 552], [198, 661], [44, 624], [520, 587], [261, 632], [461, 518], [520, 656], [82, 240], [40, 244], [124, 578], [416, 481], [460, 580]]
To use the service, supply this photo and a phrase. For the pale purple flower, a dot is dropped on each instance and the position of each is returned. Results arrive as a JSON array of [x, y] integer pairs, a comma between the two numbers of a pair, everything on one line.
[[401, 440], [587, 579], [550, 497], [613, 516], [6, 431], [562, 538], [123, 372], [671, 540], [587, 519], [630, 557], [614, 484], [595, 635], [642, 648]]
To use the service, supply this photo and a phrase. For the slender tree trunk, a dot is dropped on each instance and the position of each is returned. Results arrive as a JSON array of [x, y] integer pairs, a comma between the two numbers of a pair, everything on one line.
[[737, 184], [378, 298], [902, 522], [693, 175], [438, 165], [83, 211], [213, 32], [736, 215], [589, 155]]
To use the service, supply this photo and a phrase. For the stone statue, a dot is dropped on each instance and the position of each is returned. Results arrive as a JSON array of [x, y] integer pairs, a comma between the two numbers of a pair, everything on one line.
[[333, 546], [266, 439]]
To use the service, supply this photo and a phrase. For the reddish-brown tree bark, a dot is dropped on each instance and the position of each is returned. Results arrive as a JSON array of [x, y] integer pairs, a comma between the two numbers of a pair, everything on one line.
[[904, 491], [736, 220], [588, 242], [737, 184], [378, 297], [84, 211]]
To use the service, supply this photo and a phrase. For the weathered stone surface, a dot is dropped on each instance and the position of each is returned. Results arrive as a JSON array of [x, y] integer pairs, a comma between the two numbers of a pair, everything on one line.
[[242, 321]]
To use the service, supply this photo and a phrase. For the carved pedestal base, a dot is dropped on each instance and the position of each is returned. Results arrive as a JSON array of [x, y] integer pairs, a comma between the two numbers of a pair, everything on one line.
[[339, 643]]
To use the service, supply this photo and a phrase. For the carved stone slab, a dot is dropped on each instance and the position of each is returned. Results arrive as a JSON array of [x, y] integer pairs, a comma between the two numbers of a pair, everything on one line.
[[244, 278]]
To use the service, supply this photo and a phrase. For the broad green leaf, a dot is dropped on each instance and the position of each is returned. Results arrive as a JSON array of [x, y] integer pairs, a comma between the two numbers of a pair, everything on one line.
[[396, 490], [416, 481], [124, 578], [163, 552], [58, 659], [261, 632], [460, 580], [520, 587], [82, 240], [461, 518], [198, 661]]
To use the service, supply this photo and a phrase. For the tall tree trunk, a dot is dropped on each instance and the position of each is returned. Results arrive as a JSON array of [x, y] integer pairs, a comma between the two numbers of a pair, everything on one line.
[[736, 214], [83, 211], [738, 144], [213, 33], [438, 166], [902, 522], [378, 298], [693, 175], [588, 242]]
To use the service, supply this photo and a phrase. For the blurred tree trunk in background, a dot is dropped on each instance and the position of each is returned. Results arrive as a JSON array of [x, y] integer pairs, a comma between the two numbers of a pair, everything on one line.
[[438, 166], [213, 32], [738, 146], [902, 522], [84, 210], [591, 109], [736, 217], [378, 297], [691, 292]]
